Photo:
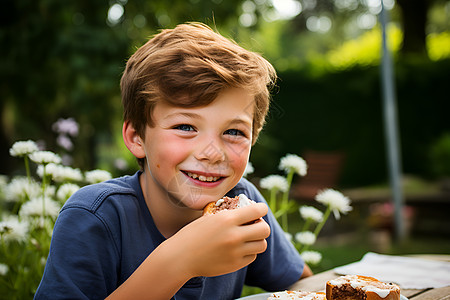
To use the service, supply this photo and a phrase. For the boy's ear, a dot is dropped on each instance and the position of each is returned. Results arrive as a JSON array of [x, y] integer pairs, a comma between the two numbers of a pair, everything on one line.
[[132, 140]]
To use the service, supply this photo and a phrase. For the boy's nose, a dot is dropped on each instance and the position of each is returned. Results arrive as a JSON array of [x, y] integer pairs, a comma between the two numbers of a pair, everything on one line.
[[212, 152]]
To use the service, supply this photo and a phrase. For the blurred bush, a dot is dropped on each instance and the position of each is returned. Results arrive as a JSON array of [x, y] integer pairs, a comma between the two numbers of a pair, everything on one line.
[[440, 155], [342, 111]]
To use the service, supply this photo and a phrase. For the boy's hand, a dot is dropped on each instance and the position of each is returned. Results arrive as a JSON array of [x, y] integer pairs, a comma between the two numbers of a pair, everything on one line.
[[222, 243]]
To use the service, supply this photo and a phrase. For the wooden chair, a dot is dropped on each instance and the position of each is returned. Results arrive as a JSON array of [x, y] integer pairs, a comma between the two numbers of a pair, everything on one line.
[[324, 169]]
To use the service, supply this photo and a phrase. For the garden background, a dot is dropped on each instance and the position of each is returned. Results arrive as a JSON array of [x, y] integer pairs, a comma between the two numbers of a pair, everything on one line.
[[64, 59]]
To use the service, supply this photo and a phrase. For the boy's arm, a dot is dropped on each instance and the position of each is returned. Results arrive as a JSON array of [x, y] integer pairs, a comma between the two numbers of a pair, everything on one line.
[[209, 246], [306, 272], [157, 277], [83, 258]]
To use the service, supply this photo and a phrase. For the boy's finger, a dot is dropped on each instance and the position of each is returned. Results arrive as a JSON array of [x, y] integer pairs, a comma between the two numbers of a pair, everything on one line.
[[257, 231], [255, 247], [250, 213]]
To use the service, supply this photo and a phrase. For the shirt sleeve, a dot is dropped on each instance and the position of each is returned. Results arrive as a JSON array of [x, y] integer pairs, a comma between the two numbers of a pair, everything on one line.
[[82, 262], [280, 265]]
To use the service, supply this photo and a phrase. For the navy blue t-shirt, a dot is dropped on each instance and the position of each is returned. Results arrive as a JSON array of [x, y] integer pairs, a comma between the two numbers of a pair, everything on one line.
[[105, 231]]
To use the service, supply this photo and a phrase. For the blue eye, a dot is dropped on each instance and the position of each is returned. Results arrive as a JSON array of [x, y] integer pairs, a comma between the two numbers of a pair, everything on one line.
[[235, 132], [184, 127]]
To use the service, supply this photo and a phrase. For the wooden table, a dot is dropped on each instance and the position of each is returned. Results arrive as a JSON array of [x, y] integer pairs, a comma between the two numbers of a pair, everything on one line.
[[317, 283]]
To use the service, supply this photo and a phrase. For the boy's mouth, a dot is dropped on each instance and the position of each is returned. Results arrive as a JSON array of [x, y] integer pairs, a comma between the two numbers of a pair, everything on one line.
[[202, 178]]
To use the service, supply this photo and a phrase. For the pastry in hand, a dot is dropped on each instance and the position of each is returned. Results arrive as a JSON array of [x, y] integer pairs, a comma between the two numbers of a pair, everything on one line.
[[227, 203]]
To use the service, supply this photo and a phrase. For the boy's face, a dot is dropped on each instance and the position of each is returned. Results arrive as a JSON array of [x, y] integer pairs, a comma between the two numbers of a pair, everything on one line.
[[196, 155]]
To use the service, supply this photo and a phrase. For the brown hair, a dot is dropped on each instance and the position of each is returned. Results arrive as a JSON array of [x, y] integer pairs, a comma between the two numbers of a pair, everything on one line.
[[189, 66]]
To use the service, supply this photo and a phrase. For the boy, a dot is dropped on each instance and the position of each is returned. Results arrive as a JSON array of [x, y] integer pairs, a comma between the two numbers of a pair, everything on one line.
[[194, 103]]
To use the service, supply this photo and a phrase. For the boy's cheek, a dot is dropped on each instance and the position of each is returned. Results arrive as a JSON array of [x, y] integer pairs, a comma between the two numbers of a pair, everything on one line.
[[238, 156], [170, 154], [241, 149]]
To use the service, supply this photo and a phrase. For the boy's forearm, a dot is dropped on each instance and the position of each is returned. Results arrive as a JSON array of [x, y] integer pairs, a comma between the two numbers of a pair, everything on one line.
[[160, 276], [306, 272]]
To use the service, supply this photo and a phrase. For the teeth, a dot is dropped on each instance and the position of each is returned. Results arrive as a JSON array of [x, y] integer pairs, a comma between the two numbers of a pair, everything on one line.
[[202, 177]]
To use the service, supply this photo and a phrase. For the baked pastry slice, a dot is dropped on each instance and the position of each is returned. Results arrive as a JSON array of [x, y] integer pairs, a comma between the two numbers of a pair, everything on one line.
[[357, 287]]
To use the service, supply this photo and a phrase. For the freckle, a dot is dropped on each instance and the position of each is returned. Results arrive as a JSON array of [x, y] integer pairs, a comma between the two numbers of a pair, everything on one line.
[[157, 166]]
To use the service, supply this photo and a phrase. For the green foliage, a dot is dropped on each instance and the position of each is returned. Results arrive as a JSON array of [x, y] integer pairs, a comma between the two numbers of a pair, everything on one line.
[[440, 155], [26, 262], [62, 60], [438, 45], [364, 51]]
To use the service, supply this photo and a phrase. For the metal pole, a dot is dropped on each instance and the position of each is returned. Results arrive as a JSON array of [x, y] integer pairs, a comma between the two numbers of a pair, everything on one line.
[[391, 130]]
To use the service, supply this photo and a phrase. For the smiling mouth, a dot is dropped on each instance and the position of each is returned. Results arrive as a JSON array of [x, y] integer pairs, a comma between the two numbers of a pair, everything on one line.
[[203, 178]]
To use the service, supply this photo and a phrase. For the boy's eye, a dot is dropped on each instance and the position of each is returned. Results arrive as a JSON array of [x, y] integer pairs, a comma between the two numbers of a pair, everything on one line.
[[235, 132], [184, 127]]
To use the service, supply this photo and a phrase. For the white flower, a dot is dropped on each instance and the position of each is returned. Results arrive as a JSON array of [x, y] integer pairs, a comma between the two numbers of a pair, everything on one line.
[[293, 162], [11, 229], [305, 237], [337, 202], [50, 191], [276, 182], [96, 176], [248, 169], [65, 142], [49, 169], [309, 212], [3, 269], [68, 174], [21, 188], [66, 190], [45, 157], [60, 173], [43, 261], [66, 126], [22, 148], [120, 164], [311, 257], [35, 207], [288, 236]]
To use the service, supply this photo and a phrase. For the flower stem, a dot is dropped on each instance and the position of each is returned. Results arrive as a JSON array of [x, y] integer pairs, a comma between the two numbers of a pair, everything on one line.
[[320, 225], [7, 257], [307, 224], [4, 248], [16, 207], [27, 167], [285, 201], [44, 181], [273, 200]]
